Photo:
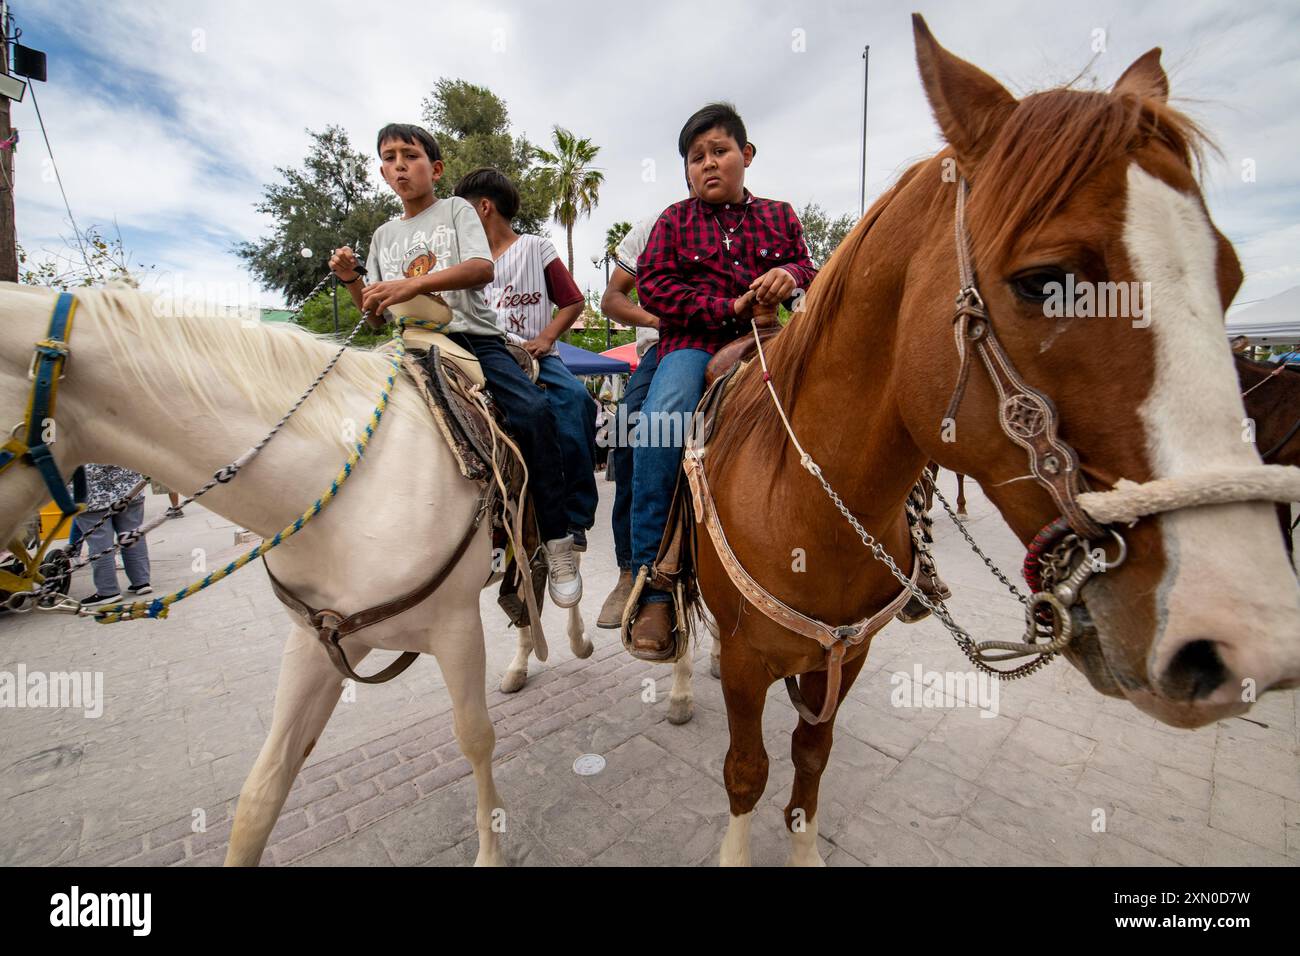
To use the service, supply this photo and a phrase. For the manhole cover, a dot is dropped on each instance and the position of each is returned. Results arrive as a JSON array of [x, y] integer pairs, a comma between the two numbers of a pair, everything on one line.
[[588, 765]]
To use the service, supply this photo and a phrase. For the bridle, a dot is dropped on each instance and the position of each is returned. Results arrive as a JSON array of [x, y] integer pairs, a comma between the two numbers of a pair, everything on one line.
[[49, 366], [1066, 553], [1061, 558]]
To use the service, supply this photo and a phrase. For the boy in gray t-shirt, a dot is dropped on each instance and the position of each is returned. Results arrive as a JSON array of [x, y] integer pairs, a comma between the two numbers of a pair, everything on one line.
[[438, 246]]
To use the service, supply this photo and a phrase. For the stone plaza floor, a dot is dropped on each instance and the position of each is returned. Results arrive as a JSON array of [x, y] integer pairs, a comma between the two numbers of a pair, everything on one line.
[[187, 702]]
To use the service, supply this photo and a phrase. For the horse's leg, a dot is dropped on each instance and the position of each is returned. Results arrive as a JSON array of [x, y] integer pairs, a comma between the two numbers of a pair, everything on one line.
[[961, 494], [744, 687], [464, 668], [579, 643], [681, 702], [810, 746], [305, 696], [516, 674]]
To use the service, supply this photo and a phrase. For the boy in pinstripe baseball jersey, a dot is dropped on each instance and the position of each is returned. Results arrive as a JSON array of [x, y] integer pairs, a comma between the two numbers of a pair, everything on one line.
[[536, 301]]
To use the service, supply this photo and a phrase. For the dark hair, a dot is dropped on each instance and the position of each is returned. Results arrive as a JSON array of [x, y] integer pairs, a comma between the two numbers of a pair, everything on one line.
[[492, 184], [412, 134], [713, 115]]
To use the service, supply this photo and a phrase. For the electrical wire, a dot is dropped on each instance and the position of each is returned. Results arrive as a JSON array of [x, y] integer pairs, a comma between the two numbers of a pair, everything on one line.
[[59, 179]]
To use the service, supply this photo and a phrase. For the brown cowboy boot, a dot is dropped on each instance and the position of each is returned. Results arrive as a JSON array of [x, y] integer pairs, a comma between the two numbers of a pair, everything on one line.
[[654, 637], [611, 612]]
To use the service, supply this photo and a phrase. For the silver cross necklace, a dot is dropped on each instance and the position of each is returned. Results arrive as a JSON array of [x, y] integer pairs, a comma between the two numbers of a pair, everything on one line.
[[726, 237]]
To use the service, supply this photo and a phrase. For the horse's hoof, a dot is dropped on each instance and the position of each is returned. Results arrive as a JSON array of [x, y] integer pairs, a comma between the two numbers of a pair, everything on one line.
[[715, 667], [680, 710], [512, 681], [586, 650]]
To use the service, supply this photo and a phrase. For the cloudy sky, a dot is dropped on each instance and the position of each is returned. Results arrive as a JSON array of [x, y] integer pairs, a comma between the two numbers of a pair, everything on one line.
[[167, 118]]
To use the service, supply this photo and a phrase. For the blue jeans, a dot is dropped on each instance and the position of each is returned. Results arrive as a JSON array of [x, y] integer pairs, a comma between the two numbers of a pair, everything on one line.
[[530, 423], [638, 385], [135, 558], [660, 434], [575, 425]]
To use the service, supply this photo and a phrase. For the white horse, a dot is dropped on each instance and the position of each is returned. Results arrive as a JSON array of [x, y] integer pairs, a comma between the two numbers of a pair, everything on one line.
[[176, 397]]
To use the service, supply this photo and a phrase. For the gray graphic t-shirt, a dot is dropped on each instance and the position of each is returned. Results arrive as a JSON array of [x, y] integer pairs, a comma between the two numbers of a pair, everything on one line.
[[446, 234]]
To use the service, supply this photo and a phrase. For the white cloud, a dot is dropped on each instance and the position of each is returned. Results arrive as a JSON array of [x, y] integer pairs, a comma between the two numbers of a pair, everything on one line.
[[184, 177]]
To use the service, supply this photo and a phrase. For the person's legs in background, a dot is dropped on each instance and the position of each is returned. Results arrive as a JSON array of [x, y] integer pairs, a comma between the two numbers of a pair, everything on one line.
[[103, 571], [621, 454], [74, 539], [135, 559], [575, 426]]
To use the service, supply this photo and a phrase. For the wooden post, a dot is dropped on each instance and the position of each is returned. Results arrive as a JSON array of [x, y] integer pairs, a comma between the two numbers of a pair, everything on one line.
[[8, 227]]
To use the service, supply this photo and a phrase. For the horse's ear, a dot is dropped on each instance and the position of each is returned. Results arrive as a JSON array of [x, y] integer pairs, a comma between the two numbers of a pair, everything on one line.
[[969, 105], [1146, 77]]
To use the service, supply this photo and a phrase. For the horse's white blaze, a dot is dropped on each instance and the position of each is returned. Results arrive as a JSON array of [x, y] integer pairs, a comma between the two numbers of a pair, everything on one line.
[[1227, 578]]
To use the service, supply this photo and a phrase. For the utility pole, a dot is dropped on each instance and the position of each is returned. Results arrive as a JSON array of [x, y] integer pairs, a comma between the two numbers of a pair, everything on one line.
[[8, 227]]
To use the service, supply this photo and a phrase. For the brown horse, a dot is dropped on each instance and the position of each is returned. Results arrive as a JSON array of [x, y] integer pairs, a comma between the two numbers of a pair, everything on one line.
[[1100, 185], [1272, 397]]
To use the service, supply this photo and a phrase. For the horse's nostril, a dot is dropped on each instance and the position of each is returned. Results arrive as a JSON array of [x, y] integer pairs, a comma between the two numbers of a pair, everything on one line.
[[1195, 672]]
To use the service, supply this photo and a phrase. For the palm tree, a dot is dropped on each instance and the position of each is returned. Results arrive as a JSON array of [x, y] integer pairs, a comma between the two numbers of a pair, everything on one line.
[[571, 182], [614, 235]]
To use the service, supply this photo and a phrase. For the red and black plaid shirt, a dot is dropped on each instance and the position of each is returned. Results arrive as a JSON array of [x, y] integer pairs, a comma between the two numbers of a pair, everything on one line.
[[689, 277]]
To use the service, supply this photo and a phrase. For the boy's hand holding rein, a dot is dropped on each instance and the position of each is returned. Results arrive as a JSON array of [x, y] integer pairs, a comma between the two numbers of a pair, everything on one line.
[[343, 263], [773, 286]]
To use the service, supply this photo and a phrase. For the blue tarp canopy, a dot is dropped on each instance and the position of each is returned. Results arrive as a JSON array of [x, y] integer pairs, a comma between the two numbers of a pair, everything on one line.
[[581, 362]]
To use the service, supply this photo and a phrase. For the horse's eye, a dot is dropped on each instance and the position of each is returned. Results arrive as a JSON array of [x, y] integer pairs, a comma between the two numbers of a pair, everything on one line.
[[1038, 285]]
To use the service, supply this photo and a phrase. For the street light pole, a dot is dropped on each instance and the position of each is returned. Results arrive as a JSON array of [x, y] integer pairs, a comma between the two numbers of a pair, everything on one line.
[[334, 294]]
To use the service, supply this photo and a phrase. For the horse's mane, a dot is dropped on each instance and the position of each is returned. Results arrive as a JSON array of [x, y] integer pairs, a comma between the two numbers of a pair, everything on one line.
[[1051, 144], [269, 365]]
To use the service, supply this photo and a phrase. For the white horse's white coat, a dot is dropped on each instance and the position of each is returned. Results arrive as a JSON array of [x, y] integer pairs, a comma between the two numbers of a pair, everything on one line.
[[1193, 417], [396, 519]]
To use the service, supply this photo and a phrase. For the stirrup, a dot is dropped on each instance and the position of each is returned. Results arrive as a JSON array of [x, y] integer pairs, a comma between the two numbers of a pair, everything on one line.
[[681, 622]]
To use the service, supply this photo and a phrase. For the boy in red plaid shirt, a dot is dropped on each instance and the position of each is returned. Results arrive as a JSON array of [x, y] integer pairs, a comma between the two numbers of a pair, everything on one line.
[[709, 260]]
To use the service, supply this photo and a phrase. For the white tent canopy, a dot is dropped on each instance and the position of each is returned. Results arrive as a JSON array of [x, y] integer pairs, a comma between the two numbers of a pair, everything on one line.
[[1272, 321]]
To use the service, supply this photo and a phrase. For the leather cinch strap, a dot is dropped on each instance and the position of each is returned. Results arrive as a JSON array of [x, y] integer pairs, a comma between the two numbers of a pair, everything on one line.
[[835, 640], [331, 626]]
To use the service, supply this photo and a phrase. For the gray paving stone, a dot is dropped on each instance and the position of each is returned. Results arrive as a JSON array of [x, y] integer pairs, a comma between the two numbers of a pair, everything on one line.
[[188, 702], [1250, 813], [923, 797]]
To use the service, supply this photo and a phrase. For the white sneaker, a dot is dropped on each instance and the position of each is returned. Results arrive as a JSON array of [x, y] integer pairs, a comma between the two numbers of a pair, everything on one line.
[[563, 581]]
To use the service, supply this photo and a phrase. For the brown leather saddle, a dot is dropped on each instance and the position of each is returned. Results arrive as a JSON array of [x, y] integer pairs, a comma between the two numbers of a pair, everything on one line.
[[453, 394]]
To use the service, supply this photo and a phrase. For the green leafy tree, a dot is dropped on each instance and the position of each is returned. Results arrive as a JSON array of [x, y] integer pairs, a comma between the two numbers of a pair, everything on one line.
[[614, 235], [329, 202], [822, 233], [592, 336], [93, 261], [317, 314], [572, 182], [472, 127]]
